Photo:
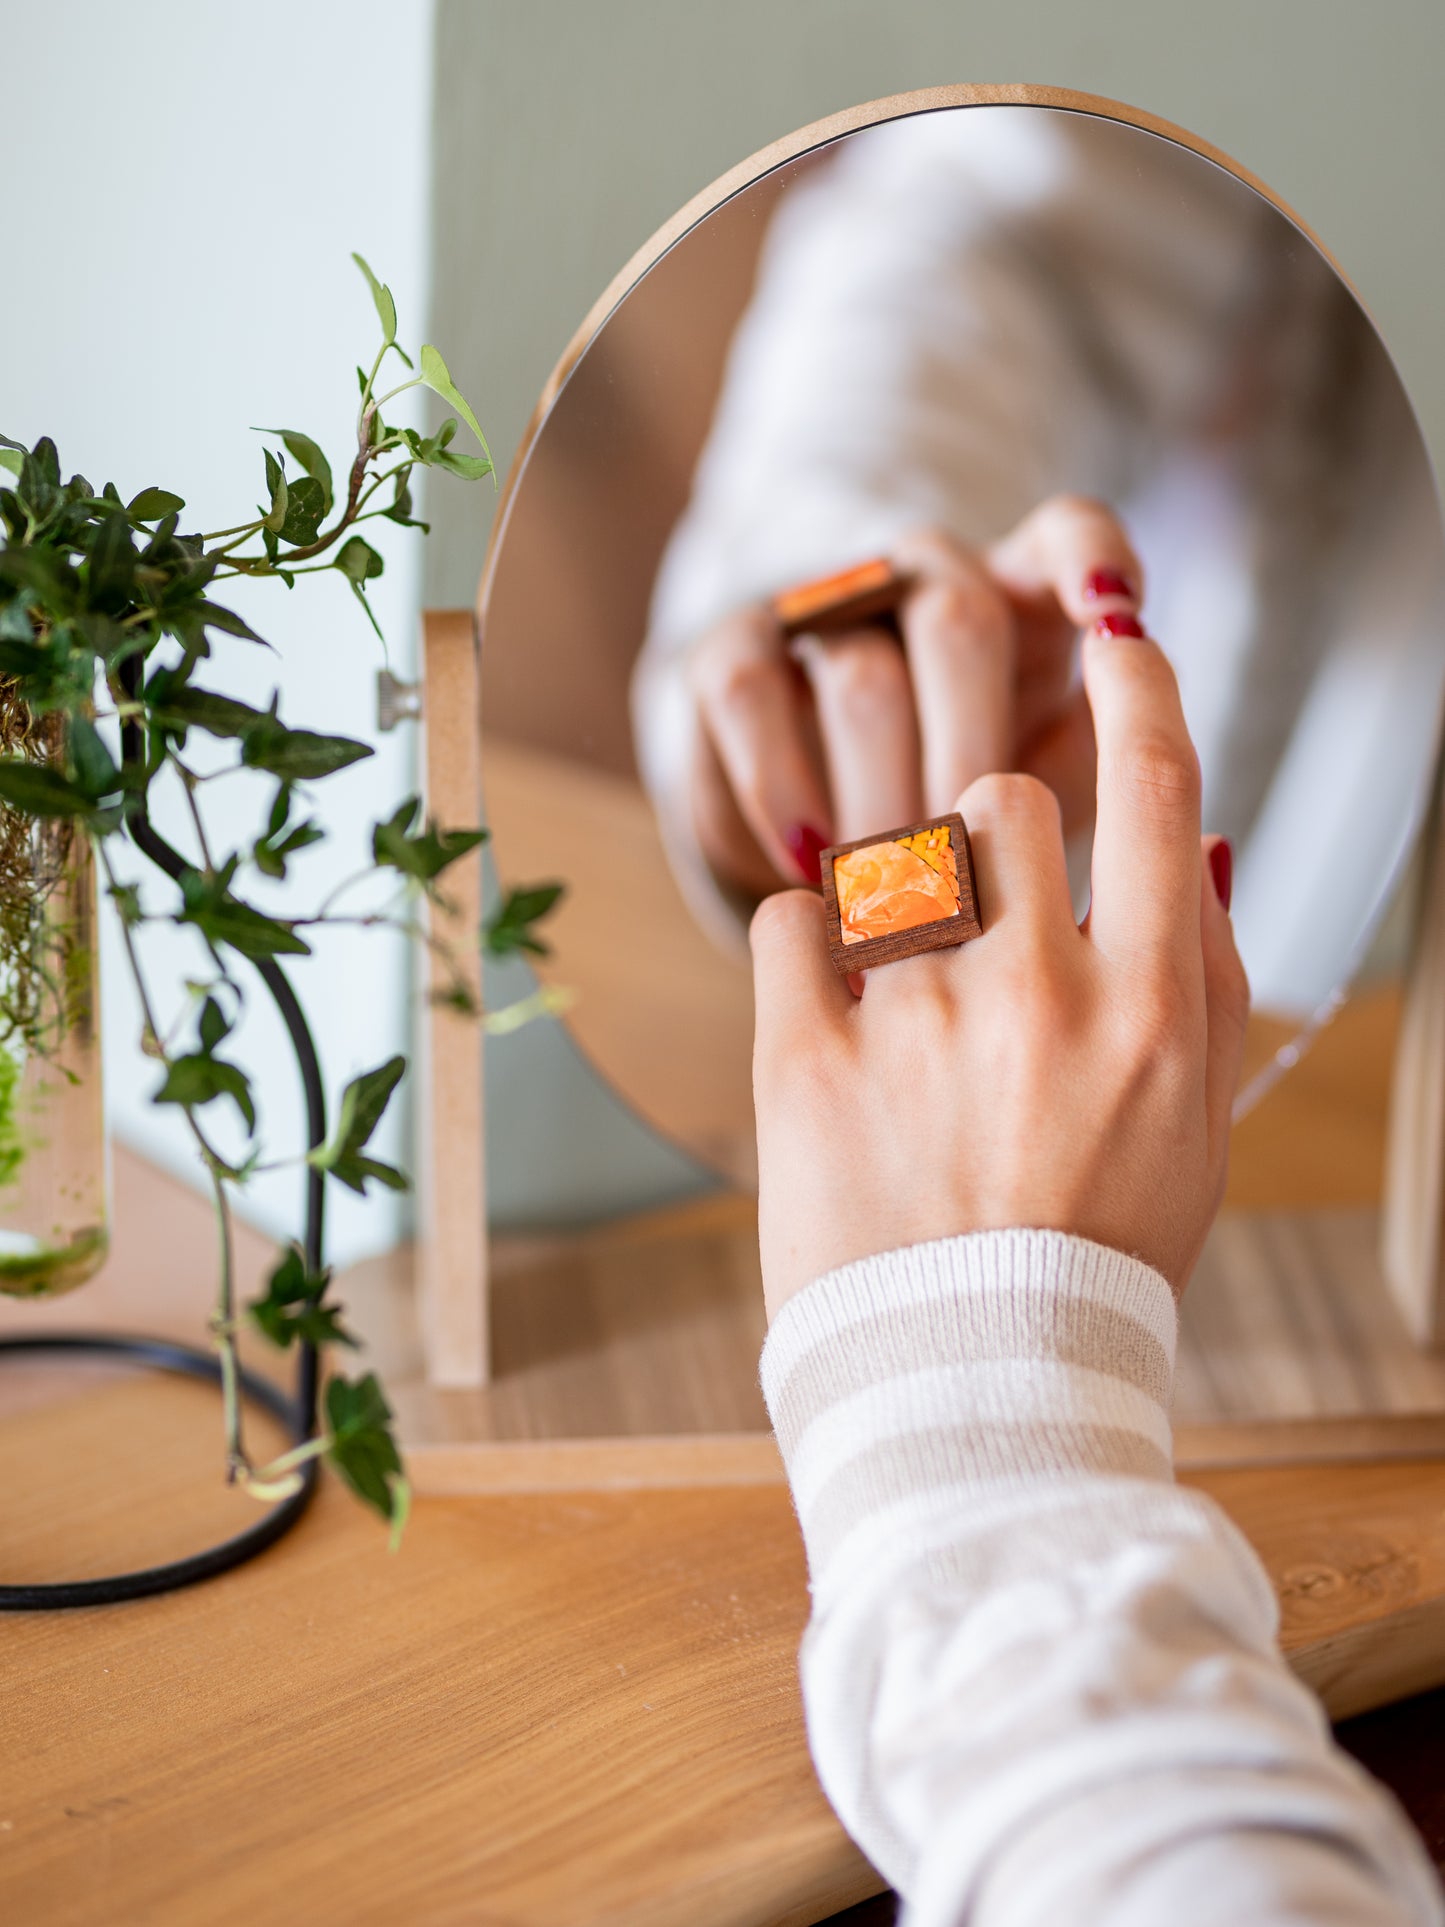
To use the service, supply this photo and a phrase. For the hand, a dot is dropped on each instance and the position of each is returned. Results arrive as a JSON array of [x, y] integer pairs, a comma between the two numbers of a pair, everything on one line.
[[1044, 1075], [851, 734]]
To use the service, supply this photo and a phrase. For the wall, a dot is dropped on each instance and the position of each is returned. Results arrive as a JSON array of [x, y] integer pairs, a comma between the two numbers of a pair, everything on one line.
[[185, 184], [566, 133]]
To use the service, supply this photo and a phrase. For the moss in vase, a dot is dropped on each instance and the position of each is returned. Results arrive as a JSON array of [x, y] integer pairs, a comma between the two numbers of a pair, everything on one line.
[[50, 1270], [12, 1144]]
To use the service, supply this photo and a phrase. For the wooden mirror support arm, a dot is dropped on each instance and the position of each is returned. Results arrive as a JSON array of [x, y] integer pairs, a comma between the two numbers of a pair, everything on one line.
[[452, 1275], [1413, 1230]]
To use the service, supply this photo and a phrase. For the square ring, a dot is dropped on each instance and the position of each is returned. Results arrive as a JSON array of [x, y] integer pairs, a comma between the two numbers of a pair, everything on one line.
[[900, 893]]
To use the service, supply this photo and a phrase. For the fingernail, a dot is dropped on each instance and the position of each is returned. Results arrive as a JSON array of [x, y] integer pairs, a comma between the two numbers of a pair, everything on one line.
[[1107, 582], [1221, 870], [1119, 626], [805, 847]]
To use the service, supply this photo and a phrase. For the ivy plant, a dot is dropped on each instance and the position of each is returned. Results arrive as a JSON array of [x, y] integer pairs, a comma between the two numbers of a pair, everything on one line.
[[109, 618]]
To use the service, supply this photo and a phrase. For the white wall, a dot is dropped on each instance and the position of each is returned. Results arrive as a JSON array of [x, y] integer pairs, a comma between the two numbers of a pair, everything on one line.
[[186, 183]]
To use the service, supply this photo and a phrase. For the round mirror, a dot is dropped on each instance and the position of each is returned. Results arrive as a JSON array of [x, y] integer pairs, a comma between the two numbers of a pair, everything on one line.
[[896, 335]]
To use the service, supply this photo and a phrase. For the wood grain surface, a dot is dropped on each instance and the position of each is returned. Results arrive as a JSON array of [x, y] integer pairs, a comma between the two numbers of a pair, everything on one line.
[[552, 1706], [451, 1165], [564, 1709]]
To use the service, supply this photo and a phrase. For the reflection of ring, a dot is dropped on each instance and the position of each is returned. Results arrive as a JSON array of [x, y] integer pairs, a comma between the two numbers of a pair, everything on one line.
[[899, 893], [868, 592]]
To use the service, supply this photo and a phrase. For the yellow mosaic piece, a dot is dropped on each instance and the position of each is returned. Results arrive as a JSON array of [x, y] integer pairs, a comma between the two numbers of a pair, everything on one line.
[[935, 846]]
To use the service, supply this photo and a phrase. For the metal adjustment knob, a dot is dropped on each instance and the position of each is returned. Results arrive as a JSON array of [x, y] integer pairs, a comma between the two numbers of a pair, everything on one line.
[[396, 701]]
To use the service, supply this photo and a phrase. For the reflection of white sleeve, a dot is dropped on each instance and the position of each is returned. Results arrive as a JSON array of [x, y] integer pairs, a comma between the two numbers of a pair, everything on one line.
[[1041, 1679], [1338, 817], [956, 316]]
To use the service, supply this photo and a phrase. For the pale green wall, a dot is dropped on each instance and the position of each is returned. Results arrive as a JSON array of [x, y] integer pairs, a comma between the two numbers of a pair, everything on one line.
[[567, 130]]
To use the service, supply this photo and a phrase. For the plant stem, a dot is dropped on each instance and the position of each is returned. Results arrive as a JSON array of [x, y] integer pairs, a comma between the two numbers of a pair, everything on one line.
[[188, 784], [223, 1330], [223, 1323]]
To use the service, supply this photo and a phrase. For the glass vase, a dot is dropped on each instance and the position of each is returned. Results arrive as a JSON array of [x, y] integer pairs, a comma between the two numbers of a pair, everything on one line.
[[54, 1173]]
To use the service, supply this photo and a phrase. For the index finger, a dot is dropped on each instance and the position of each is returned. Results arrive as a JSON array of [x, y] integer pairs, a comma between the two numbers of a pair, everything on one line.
[[1146, 863], [1073, 549]]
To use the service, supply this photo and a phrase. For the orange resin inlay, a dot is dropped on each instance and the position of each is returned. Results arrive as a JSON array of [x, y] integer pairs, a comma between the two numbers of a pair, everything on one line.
[[886, 887], [794, 606]]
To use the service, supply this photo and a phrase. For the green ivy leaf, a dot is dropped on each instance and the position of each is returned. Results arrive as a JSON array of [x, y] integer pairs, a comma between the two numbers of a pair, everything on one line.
[[207, 902], [510, 928], [189, 707], [437, 376], [358, 561], [200, 1078], [360, 564], [421, 854], [305, 453], [214, 1026], [292, 1308], [306, 504], [362, 1104], [471, 467], [92, 763], [110, 572], [298, 755], [400, 508], [39, 791], [212, 616], [385, 306], [363, 1449], [283, 839], [279, 493], [153, 505], [126, 898]]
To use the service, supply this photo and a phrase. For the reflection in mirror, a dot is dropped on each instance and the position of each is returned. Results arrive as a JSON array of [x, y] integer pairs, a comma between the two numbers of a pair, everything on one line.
[[910, 344]]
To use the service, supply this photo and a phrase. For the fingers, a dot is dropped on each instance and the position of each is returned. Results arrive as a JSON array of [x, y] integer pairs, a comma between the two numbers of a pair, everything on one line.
[[1063, 755], [755, 717], [1226, 994], [1146, 862], [1017, 841], [796, 988], [1074, 550], [869, 729], [959, 635]]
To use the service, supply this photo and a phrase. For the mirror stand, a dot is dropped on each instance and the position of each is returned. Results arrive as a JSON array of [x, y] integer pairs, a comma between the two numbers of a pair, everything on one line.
[[1413, 1231], [627, 1354]]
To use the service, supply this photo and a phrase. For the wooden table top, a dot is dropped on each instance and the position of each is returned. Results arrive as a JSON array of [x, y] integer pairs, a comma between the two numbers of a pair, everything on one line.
[[554, 1708]]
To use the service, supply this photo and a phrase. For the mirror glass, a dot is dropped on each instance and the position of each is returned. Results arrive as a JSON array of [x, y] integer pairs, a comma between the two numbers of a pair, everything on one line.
[[937, 324]]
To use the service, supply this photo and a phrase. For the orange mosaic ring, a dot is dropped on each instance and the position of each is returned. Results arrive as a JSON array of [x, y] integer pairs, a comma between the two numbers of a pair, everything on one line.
[[867, 592], [900, 893]]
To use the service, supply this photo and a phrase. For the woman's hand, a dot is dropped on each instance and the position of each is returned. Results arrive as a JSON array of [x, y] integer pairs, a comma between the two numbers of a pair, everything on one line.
[[833, 738], [1044, 1075]]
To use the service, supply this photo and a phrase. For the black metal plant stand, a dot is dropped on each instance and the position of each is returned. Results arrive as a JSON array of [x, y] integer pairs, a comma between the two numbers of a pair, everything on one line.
[[299, 1413]]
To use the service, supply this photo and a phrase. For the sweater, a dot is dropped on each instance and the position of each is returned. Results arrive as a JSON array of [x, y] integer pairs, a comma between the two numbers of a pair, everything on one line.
[[1041, 1680]]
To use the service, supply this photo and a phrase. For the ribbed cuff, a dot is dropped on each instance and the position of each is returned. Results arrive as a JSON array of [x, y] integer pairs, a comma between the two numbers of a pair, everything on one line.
[[1003, 1357]]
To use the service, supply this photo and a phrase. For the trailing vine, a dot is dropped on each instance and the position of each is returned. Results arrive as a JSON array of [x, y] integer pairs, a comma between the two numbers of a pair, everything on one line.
[[107, 620]]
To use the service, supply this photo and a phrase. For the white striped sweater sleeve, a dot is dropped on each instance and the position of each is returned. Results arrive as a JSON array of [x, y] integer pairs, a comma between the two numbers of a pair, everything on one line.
[[1041, 1679]]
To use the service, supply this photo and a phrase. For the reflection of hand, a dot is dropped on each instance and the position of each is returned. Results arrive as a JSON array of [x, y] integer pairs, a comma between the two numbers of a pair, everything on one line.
[[852, 734], [1041, 1076]]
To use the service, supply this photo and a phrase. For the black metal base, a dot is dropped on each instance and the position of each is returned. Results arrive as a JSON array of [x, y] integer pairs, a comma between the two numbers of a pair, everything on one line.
[[295, 1414]]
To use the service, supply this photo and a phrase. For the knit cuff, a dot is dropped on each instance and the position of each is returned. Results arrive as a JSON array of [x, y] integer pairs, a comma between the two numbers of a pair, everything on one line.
[[1000, 1358]]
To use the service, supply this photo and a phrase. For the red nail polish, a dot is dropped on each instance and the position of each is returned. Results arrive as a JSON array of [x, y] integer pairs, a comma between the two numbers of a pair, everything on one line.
[[805, 846], [1107, 582], [1119, 626], [1221, 870]]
